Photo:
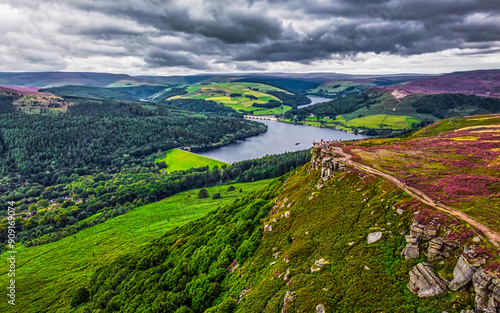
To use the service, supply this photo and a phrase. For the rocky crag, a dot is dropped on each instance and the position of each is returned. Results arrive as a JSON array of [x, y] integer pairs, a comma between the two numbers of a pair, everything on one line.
[[434, 243]]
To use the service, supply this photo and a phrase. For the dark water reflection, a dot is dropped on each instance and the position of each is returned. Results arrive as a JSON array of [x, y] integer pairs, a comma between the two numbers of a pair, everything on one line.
[[279, 138]]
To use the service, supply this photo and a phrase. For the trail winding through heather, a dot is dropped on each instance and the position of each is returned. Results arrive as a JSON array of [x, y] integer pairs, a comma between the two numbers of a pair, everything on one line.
[[492, 235]]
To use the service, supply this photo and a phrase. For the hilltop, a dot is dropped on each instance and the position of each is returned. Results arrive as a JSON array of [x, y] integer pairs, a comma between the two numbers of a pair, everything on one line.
[[480, 83]]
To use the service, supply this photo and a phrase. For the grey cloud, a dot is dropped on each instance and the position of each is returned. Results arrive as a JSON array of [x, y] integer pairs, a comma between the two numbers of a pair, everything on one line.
[[245, 34], [174, 59]]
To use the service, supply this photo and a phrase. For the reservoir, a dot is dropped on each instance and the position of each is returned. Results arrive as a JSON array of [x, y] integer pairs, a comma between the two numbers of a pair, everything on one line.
[[279, 138], [315, 100]]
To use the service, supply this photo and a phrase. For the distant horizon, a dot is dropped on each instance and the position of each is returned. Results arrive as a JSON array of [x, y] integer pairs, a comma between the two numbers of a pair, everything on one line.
[[251, 73]]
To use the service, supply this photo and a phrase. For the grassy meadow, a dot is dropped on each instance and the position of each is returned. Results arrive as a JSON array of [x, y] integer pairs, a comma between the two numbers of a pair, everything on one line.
[[48, 275], [383, 121], [221, 92], [180, 160]]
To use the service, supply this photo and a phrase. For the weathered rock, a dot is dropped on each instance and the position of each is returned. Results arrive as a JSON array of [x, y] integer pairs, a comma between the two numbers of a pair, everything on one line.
[[424, 281], [321, 262], [411, 251], [285, 278], [416, 230], [243, 293], [374, 237], [429, 233], [462, 274], [288, 298], [481, 282], [468, 311], [494, 302], [268, 227], [411, 239], [434, 252], [320, 308]]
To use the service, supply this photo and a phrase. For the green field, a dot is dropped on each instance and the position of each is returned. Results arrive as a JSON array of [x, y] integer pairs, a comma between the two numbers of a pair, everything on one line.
[[338, 87], [383, 121], [221, 92], [48, 275], [180, 160]]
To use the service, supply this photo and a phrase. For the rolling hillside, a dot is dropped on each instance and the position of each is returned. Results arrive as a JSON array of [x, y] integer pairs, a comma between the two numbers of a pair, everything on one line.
[[340, 241], [481, 83]]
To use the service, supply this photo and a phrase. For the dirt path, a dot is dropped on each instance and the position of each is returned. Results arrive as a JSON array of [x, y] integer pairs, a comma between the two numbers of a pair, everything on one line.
[[492, 235]]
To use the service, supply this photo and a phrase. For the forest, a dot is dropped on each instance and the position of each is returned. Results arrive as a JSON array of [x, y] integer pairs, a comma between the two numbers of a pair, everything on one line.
[[55, 212], [102, 136]]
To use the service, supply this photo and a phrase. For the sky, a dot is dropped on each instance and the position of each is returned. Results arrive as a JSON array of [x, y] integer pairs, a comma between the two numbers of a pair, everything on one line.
[[153, 37]]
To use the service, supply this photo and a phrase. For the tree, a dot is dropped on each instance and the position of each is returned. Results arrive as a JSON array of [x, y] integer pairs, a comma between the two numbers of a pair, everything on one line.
[[203, 193], [82, 295]]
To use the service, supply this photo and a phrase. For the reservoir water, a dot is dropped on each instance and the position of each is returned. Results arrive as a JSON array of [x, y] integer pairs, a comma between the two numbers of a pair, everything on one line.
[[315, 100], [279, 138]]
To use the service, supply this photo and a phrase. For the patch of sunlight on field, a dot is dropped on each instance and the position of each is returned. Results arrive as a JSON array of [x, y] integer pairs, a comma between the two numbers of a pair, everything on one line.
[[464, 138]]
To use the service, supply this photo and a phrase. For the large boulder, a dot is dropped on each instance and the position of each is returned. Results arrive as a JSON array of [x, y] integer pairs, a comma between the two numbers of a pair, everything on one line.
[[435, 247], [425, 282], [374, 237], [412, 249], [320, 308], [462, 274], [482, 282]]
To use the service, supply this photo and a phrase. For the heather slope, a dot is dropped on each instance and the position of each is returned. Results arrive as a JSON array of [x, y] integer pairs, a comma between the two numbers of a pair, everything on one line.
[[455, 162]]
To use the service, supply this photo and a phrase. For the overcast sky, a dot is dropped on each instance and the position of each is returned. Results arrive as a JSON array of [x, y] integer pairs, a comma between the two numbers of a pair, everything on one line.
[[196, 36]]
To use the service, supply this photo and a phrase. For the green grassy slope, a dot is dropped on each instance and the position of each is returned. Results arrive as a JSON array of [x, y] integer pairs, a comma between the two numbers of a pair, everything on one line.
[[381, 111], [240, 101], [229, 261], [48, 275], [180, 160]]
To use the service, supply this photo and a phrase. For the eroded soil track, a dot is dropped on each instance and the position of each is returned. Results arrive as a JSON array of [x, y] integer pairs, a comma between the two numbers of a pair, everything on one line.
[[492, 235]]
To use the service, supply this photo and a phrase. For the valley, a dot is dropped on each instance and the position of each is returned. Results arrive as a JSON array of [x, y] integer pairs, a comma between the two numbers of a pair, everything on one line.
[[249, 220]]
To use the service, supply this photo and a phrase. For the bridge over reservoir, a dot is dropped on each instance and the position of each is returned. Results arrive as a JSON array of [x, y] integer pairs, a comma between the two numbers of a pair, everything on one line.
[[267, 118]]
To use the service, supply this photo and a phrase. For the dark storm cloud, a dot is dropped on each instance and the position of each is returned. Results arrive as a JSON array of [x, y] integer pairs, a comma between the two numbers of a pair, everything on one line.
[[205, 34], [170, 59]]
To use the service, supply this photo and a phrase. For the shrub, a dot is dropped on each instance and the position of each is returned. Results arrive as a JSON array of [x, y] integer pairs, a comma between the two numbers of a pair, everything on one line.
[[216, 195], [231, 188], [203, 193], [82, 295]]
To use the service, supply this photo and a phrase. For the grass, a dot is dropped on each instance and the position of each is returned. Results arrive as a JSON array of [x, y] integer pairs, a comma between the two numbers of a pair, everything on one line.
[[220, 92], [383, 121], [180, 160], [332, 223], [335, 87], [48, 275]]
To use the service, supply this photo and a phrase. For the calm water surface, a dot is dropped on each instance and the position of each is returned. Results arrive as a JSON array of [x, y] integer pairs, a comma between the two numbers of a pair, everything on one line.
[[279, 138]]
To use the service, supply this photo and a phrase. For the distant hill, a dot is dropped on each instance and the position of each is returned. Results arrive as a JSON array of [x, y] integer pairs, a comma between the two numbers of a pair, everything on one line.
[[481, 83], [54, 79], [88, 92]]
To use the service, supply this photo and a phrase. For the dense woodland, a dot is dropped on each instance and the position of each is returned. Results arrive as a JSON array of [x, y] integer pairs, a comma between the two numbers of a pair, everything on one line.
[[452, 105], [102, 136], [204, 106], [69, 171]]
